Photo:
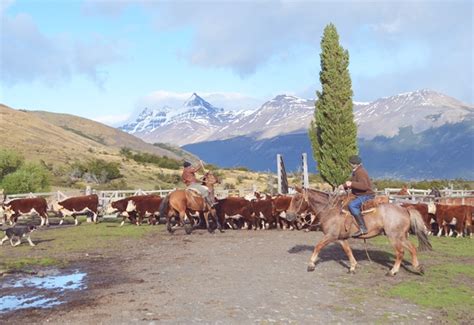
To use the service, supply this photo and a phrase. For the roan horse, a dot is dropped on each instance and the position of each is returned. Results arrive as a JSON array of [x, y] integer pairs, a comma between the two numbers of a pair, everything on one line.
[[179, 202], [337, 225]]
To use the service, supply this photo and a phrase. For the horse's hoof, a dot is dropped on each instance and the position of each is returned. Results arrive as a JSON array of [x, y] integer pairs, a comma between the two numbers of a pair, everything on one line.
[[311, 268], [420, 269], [389, 273], [188, 228], [351, 272]]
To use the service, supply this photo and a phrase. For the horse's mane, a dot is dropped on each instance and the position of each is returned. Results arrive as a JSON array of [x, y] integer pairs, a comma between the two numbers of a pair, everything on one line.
[[328, 199]]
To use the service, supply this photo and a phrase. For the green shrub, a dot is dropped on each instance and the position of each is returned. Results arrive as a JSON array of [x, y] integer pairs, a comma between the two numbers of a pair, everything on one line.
[[148, 158], [10, 161], [95, 171], [30, 177]]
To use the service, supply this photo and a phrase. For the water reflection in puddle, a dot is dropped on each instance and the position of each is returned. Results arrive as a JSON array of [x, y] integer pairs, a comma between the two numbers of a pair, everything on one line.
[[35, 291]]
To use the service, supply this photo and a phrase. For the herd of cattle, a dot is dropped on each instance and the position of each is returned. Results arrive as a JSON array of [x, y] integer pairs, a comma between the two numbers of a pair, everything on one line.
[[257, 212]]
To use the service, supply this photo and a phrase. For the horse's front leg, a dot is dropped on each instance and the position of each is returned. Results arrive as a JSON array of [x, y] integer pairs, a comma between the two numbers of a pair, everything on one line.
[[206, 218], [347, 249], [314, 258]]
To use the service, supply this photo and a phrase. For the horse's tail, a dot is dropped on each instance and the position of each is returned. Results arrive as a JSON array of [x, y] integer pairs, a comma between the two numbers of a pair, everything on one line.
[[164, 206], [419, 229]]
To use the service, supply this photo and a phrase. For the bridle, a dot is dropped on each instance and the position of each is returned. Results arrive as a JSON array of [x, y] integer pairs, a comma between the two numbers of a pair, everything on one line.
[[329, 204]]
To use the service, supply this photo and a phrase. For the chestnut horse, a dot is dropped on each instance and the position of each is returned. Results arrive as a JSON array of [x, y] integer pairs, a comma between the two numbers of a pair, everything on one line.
[[178, 202], [337, 225]]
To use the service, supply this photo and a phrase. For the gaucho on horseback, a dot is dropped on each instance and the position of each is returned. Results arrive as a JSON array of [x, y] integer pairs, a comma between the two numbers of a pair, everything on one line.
[[361, 187], [189, 178], [198, 197]]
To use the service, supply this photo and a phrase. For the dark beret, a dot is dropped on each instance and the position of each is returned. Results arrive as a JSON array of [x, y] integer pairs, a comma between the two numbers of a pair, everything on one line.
[[355, 160], [186, 164]]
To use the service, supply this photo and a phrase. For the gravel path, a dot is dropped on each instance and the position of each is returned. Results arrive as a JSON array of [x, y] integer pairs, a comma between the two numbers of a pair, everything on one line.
[[238, 277]]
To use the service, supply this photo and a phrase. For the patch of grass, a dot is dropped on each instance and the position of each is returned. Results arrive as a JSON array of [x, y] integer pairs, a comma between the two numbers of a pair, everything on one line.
[[448, 283], [26, 263], [440, 290]]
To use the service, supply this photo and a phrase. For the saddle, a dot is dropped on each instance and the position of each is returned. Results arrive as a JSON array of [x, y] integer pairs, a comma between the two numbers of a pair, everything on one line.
[[368, 206], [193, 192]]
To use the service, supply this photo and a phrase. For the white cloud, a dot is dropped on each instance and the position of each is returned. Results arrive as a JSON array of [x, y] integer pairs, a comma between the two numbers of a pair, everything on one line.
[[112, 120], [226, 100], [4, 4], [245, 35], [104, 7], [28, 55]]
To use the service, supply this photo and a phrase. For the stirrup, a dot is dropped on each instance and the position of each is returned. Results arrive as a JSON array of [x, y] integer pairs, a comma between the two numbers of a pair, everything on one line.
[[359, 233]]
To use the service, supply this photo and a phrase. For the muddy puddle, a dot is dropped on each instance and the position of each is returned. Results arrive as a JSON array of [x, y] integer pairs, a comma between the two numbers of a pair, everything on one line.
[[44, 290]]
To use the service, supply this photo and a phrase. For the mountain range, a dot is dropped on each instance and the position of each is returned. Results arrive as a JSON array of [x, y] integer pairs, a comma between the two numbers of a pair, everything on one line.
[[424, 129]]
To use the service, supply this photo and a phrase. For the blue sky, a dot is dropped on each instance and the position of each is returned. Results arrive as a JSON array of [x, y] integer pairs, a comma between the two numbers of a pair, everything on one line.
[[106, 60]]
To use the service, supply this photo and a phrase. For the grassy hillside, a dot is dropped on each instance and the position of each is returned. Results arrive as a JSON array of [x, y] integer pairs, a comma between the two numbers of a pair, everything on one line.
[[61, 140], [56, 137]]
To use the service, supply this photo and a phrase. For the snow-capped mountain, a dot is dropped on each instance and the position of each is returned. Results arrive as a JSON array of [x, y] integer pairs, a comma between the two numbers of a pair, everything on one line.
[[282, 114], [197, 120], [422, 110]]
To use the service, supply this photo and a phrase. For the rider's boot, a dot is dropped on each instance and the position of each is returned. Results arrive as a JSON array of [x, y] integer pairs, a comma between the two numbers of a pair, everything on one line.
[[362, 227], [211, 201]]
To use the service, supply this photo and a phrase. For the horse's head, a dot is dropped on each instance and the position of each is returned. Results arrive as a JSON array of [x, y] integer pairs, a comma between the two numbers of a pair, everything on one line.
[[435, 192], [297, 201], [316, 200], [210, 179]]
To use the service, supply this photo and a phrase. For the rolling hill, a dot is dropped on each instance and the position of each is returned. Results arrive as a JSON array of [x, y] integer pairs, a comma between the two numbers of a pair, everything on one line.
[[62, 138]]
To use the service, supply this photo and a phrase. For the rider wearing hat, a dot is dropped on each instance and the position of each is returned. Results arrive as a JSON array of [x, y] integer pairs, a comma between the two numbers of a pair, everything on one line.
[[189, 178], [361, 186]]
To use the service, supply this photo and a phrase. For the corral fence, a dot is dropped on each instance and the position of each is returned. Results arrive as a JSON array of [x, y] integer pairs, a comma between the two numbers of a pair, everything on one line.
[[107, 196], [449, 196]]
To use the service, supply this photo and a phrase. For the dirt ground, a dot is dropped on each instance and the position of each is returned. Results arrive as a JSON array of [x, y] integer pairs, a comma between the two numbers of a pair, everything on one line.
[[236, 277]]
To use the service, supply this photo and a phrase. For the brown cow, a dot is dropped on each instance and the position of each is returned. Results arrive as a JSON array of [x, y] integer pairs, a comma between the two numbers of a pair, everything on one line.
[[29, 206], [263, 209], [280, 204], [145, 206], [232, 208], [77, 205], [460, 216]]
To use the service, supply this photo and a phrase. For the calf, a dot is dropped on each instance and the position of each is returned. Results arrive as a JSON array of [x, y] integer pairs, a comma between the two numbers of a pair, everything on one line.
[[145, 206], [458, 216], [78, 205], [30, 206]]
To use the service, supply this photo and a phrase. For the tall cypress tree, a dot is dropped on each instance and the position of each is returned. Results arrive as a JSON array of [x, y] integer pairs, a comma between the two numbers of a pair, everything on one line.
[[333, 132]]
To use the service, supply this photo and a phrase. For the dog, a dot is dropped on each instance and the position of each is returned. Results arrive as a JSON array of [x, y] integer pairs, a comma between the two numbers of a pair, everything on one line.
[[19, 232]]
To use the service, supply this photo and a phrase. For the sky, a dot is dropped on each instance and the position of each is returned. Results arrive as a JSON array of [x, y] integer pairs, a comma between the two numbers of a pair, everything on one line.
[[108, 60]]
